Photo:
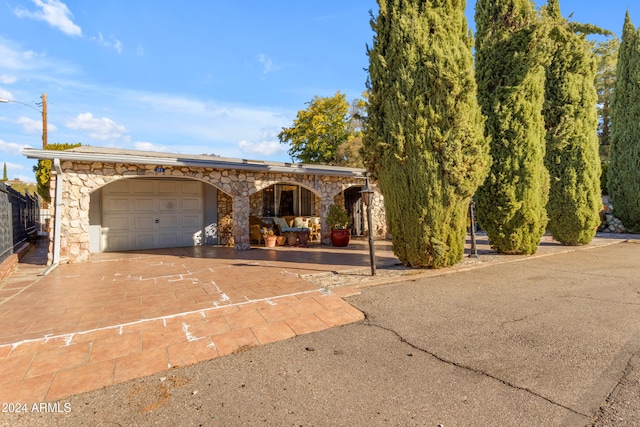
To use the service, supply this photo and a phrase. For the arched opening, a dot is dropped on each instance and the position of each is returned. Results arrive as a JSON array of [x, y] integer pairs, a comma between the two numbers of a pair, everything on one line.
[[355, 208], [141, 213], [284, 201]]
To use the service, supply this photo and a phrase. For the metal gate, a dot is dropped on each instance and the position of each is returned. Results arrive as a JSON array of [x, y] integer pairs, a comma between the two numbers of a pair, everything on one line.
[[19, 218]]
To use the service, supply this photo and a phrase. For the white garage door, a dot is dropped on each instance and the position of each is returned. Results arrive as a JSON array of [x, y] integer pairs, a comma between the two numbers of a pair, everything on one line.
[[148, 214]]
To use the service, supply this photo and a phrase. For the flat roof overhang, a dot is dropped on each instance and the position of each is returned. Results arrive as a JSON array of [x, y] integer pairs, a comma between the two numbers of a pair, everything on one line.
[[207, 162]]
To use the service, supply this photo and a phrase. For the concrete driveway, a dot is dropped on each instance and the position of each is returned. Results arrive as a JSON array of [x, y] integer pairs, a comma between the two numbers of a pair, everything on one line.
[[547, 340], [126, 315]]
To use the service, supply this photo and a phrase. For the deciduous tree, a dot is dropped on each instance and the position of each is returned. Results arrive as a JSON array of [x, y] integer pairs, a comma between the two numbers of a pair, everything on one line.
[[319, 130]]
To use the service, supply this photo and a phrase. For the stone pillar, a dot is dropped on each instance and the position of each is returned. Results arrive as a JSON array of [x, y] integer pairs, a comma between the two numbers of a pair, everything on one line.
[[379, 226], [325, 231], [77, 211], [241, 210], [52, 214]]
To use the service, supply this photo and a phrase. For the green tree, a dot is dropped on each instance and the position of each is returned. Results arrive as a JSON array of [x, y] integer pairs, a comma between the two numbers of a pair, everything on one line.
[[606, 59], [572, 143], [319, 131], [4, 174], [623, 173], [43, 170], [424, 132], [511, 52], [349, 153]]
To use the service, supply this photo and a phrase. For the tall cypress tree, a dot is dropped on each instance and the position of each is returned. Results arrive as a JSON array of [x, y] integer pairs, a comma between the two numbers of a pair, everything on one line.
[[424, 133], [4, 174], [510, 57], [571, 119], [624, 166]]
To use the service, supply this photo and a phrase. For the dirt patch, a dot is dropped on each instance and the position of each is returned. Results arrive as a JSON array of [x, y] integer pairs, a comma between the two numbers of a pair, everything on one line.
[[150, 397]]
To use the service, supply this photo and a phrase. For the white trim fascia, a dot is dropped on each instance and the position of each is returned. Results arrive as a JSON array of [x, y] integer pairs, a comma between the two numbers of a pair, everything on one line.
[[214, 163]]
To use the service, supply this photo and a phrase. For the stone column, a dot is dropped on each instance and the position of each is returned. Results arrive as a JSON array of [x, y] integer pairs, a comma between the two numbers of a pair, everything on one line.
[[325, 231], [379, 226], [241, 211], [52, 214]]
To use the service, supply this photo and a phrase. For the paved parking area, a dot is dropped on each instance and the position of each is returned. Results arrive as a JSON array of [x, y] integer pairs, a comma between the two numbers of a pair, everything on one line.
[[127, 315]]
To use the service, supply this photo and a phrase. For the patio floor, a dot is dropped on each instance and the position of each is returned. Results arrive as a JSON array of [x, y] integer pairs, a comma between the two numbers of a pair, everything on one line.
[[127, 315]]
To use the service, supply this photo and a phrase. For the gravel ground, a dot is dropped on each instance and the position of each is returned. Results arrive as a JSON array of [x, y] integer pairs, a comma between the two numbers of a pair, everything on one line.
[[621, 408]]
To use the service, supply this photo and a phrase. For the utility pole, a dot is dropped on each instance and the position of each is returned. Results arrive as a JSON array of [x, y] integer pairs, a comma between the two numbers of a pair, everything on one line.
[[44, 121], [43, 104]]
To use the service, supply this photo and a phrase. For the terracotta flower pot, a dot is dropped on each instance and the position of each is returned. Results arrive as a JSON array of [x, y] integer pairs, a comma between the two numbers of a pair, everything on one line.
[[340, 238], [270, 241]]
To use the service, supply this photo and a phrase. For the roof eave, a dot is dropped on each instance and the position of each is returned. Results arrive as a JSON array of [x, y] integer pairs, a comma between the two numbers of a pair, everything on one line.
[[295, 168]]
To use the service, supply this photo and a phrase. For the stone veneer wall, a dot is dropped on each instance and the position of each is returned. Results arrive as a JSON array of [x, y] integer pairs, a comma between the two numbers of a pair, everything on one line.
[[378, 216], [255, 204], [80, 179], [225, 204]]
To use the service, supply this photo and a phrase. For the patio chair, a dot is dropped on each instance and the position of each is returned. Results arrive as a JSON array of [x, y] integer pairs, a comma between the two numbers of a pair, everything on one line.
[[254, 233]]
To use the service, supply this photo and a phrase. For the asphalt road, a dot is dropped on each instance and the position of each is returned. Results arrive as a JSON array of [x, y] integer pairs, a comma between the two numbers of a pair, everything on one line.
[[547, 341]]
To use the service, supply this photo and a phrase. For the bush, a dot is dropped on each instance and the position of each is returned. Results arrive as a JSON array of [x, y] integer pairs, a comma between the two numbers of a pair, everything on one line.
[[338, 218]]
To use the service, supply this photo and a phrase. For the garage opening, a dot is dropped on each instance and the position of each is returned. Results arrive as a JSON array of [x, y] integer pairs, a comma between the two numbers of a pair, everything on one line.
[[152, 213]]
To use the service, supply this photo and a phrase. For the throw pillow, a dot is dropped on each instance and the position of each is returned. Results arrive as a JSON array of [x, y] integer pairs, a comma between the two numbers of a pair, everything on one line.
[[280, 222], [301, 222]]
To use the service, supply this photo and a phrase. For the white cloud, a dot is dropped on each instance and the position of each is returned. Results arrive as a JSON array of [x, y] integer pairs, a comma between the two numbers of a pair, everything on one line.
[[19, 171], [29, 179], [30, 65], [13, 167], [7, 79], [12, 148], [111, 42], [140, 50], [149, 146], [55, 13], [5, 94], [103, 129], [13, 59], [267, 64], [30, 125], [34, 126], [263, 148]]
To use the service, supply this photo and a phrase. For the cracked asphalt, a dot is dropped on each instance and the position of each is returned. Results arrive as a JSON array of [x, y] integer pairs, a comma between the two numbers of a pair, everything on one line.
[[551, 341]]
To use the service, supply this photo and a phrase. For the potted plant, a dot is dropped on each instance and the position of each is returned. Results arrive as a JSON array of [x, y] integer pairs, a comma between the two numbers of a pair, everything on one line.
[[338, 220], [292, 237], [269, 237], [225, 230]]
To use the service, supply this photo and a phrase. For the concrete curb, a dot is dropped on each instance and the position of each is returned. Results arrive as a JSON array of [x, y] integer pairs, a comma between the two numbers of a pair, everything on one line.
[[416, 274]]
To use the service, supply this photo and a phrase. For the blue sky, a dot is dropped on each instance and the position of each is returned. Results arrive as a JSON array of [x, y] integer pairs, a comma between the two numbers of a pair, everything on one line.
[[206, 77]]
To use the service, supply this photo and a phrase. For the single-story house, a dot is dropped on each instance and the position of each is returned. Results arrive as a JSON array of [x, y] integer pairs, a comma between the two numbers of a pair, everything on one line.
[[108, 199]]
